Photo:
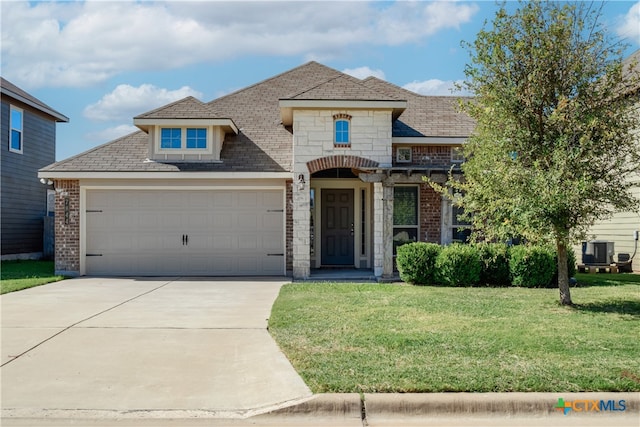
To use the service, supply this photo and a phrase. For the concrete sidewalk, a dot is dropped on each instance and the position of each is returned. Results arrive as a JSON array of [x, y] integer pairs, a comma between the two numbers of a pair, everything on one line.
[[188, 346]]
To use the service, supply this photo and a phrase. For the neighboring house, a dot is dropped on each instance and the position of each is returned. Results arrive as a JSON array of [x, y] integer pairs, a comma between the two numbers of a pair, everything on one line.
[[620, 228], [311, 168], [28, 128]]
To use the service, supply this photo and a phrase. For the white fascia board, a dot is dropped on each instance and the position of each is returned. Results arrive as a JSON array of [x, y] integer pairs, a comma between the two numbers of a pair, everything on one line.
[[428, 140], [186, 122], [288, 105], [165, 175]]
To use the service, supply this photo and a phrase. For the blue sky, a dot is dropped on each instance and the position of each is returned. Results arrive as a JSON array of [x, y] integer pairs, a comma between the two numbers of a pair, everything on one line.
[[100, 63]]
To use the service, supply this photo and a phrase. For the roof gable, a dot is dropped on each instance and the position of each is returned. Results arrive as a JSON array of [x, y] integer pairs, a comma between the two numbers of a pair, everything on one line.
[[185, 108], [341, 87]]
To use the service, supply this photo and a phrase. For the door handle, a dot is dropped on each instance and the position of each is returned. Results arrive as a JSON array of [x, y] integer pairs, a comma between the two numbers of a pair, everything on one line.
[[183, 239], [186, 240]]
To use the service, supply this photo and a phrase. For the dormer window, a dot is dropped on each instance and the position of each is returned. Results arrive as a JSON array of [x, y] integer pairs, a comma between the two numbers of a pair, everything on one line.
[[172, 138], [342, 130], [185, 131], [197, 138]]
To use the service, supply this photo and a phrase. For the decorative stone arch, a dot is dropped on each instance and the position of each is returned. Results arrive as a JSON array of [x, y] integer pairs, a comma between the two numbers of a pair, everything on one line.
[[340, 161]]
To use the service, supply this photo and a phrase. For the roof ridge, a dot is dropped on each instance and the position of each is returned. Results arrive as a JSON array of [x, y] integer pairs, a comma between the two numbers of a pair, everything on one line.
[[306, 64], [171, 104], [395, 86]]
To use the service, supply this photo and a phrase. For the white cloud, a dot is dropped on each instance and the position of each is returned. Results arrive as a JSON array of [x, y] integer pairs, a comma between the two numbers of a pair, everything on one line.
[[111, 133], [77, 44], [434, 87], [364, 72], [127, 101], [629, 27]]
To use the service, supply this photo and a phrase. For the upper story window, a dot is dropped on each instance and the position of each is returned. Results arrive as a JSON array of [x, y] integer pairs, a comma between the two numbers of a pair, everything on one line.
[[342, 130], [403, 155], [171, 138], [15, 136], [178, 138], [197, 138]]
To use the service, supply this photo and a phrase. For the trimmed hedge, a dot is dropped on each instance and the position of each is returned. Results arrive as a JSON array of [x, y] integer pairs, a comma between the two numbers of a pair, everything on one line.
[[459, 265], [495, 264], [417, 262], [532, 266]]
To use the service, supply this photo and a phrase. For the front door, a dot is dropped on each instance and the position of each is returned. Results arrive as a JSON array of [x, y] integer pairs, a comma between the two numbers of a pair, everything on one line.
[[337, 227]]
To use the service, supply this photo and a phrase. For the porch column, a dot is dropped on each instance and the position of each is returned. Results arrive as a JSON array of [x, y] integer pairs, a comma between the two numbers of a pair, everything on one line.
[[301, 226], [387, 229]]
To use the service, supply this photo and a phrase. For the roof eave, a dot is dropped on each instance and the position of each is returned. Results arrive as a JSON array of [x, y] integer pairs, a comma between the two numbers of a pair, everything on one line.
[[60, 118], [145, 124]]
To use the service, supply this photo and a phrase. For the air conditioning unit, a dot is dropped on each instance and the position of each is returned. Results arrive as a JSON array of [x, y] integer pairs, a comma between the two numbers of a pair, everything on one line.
[[597, 252]]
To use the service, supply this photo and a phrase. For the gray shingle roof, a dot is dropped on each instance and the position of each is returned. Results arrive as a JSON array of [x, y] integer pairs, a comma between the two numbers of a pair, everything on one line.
[[263, 143], [341, 87], [186, 108], [425, 116]]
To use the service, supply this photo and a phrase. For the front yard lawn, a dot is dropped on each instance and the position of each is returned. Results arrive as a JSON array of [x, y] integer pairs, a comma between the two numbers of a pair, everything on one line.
[[18, 275], [400, 338]]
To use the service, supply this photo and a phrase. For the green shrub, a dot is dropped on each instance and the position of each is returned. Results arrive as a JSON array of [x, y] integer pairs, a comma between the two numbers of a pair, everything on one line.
[[459, 265], [495, 264], [531, 266], [416, 262]]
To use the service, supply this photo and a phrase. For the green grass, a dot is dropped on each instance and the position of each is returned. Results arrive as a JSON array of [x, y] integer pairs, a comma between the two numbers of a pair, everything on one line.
[[18, 275], [399, 338]]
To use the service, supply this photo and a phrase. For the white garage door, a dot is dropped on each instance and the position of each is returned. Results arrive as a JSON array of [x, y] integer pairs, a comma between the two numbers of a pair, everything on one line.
[[195, 233]]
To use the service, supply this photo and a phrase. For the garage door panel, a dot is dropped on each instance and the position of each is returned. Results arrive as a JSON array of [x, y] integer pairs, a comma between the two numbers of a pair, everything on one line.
[[140, 232]]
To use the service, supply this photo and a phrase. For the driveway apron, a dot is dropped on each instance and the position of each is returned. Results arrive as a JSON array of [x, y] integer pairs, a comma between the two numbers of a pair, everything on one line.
[[123, 345]]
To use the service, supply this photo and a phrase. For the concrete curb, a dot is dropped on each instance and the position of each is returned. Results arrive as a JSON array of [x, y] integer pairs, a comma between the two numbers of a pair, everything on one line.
[[350, 405], [345, 405]]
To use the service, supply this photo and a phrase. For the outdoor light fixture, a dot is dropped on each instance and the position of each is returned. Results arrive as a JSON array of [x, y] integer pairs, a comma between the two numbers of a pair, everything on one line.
[[45, 181], [301, 182]]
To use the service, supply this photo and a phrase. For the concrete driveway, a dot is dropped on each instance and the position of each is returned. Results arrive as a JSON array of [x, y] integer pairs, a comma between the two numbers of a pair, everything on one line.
[[113, 347]]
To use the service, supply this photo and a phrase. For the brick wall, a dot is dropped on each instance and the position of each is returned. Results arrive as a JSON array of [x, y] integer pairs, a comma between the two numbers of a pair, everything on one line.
[[67, 227], [426, 155], [430, 214]]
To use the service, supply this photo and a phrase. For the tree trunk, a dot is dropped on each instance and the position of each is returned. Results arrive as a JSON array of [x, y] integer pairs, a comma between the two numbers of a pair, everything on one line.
[[563, 273]]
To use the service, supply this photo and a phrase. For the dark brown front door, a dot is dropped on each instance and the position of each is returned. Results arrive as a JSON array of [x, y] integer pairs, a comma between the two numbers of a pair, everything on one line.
[[337, 227]]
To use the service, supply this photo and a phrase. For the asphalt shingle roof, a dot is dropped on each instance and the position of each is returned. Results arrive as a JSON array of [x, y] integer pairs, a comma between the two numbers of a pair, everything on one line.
[[263, 143]]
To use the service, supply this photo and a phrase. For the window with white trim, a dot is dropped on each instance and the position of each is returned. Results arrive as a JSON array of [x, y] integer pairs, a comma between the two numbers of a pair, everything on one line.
[[183, 138], [15, 130]]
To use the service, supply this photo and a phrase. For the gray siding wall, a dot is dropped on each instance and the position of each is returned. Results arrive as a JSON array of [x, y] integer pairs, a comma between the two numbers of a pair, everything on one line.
[[22, 196]]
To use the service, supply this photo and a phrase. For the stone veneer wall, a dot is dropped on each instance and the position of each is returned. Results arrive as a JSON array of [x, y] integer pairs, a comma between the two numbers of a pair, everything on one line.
[[313, 139], [67, 227]]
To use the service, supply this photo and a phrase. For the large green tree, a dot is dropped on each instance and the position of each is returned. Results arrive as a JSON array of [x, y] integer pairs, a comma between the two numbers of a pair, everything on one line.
[[557, 119]]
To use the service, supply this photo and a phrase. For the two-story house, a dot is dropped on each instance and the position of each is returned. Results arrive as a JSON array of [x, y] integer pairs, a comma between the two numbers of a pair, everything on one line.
[[306, 170], [28, 128]]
